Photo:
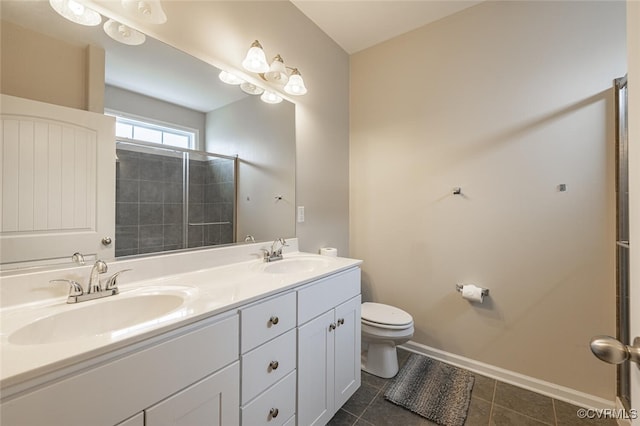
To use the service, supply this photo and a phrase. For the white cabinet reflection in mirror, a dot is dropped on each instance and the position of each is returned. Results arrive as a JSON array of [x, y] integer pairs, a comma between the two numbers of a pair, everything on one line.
[[57, 182]]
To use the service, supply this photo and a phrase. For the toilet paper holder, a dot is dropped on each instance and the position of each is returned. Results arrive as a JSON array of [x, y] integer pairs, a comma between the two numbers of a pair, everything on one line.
[[485, 291]]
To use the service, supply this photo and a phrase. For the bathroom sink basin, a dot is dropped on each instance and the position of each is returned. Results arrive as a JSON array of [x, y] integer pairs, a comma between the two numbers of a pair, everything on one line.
[[117, 314], [294, 265]]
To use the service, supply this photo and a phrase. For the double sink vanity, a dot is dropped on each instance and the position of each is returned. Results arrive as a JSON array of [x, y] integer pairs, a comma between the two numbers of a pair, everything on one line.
[[207, 337]]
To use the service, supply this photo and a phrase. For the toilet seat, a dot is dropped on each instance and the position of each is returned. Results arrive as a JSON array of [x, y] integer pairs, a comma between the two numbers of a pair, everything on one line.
[[385, 316]]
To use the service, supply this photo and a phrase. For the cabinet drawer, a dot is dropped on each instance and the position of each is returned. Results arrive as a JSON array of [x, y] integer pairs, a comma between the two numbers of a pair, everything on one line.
[[327, 293], [266, 320], [274, 407], [267, 364]]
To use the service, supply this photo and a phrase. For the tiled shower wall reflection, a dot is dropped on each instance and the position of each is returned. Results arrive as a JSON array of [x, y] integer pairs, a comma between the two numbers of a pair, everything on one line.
[[150, 211]]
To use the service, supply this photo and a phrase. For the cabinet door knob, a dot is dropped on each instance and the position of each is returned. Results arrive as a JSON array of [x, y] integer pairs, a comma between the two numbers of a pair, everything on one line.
[[273, 365], [106, 241], [273, 412], [332, 326], [274, 320], [340, 321]]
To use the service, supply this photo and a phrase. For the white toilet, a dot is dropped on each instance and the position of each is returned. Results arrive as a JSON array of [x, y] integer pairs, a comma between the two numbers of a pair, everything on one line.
[[383, 327]]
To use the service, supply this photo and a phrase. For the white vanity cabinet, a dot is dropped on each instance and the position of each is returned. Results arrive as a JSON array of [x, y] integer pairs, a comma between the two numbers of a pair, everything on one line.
[[268, 360], [173, 372], [285, 359], [328, 346]]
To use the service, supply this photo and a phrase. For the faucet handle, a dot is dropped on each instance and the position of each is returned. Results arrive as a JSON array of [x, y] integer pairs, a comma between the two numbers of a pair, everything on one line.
[[75, 288], [112, 282]]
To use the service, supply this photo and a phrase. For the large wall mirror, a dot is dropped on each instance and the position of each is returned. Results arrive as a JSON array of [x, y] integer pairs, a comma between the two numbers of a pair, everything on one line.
[[198, 162]]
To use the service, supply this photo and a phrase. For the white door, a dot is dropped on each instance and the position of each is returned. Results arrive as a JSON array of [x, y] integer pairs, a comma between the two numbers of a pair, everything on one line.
[[57, 177], [633, 54]]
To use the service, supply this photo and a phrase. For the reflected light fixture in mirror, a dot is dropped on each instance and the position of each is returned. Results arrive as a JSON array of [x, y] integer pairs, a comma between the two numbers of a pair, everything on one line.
[[251, 88], [148, 10], [271, 97], [123, 34], [76, 12]]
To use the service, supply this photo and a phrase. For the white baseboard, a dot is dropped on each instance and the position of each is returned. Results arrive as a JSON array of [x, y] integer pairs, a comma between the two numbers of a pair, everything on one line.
[[552, 390]]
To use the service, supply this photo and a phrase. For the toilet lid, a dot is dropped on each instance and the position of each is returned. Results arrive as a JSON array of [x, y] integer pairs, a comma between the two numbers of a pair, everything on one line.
[[384, 314]]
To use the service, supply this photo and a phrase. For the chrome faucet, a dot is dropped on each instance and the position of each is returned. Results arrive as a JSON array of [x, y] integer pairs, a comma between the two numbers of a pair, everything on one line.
[[273, 254], [95, 290], [98, 268]]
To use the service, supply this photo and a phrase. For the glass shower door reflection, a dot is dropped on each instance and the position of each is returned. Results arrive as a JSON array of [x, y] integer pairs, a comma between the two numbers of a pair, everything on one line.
[[171, 199]]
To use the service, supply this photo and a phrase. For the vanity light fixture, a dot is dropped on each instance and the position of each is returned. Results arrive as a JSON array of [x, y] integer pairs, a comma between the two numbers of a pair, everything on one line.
[[148, 10], [295, 86], [76, 12], [277, 72], [256, 61], [287, 78], [123, 34]]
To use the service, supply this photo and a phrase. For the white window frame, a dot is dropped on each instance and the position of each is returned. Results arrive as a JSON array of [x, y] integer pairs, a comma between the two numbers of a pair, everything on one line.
[[153, 124]]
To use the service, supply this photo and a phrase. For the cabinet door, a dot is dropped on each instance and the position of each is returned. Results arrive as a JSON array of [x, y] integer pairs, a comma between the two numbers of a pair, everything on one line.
[[347, 350], [315, 371], [212, 401]]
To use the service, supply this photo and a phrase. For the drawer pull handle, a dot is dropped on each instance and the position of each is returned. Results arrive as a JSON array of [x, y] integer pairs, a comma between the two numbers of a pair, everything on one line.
[[273, 365], [274, 412], [274, 320], [332, 326], [340, 321]]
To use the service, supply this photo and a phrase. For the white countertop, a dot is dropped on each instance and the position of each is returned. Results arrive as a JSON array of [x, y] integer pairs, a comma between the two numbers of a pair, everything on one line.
[[206, 292]]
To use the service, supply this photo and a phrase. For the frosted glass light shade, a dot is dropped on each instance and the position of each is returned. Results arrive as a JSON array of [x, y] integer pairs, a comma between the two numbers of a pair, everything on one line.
[[123, 34], [256, 61], [277, 72], [251, 88], [229, 78], [271, 97], [149, 10], [295, 86], [76, 12]]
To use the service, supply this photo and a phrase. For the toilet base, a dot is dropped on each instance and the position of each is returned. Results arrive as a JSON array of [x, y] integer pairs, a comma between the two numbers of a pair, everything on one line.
[[380, 360]]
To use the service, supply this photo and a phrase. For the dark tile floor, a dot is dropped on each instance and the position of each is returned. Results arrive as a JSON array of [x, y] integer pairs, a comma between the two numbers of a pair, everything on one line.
[[492, 403]]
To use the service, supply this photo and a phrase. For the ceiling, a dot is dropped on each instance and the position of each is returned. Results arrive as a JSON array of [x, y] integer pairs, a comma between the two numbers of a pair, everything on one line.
[[358, 24]]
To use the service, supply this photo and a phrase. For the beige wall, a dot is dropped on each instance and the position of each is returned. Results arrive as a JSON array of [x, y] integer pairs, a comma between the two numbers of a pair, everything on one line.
[[506, 100], [41, 68], [220, 33]]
